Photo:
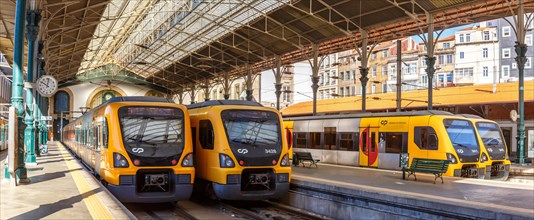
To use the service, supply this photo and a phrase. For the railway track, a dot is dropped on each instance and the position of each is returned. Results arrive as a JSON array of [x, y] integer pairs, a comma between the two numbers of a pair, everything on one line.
[[265, 210], [159, 211]]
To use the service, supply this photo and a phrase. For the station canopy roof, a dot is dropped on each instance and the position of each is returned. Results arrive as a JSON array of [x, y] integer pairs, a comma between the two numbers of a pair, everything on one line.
[[176, 43]]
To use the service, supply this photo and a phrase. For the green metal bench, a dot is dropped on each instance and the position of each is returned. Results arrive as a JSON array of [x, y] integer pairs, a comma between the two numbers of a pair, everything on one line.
[[433, 166], [305, 156]]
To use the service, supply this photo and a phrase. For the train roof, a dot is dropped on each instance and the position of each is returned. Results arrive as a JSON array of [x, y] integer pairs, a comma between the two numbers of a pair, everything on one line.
[[471, 116], [130, 99], [505, 93], [137, 99], [223, 102], [366, 115]]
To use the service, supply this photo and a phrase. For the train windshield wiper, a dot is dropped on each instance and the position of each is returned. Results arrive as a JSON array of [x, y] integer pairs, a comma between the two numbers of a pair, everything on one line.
[[460, 145], [140, 141]]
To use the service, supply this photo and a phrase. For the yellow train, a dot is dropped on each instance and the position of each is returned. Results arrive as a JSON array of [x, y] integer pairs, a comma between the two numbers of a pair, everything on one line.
[[494, 151], [240, 150], [377, 139], [139, 147]]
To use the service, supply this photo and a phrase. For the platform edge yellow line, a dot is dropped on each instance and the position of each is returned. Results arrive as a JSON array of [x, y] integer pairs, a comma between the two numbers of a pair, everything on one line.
[[94, 204]]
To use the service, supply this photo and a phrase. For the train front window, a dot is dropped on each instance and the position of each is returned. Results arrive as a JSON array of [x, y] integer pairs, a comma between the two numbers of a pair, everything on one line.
[[255, 128], [254, 136], [492, 139], [154, 135], [462, 136]]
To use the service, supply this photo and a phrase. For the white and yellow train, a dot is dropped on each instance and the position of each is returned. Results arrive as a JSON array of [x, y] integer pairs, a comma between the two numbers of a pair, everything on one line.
[[377, 140]]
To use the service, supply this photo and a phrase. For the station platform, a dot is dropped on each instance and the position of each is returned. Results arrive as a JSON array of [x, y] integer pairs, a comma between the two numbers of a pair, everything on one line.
[[59, 188], [374, 189]]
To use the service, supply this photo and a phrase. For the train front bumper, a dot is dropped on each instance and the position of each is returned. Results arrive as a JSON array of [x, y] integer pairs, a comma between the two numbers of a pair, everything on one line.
[[244, 186], [498, 170], [234, 192], [127, 191]]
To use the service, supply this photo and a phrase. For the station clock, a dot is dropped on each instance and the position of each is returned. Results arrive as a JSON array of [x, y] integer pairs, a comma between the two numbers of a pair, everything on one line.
[[46, 85]]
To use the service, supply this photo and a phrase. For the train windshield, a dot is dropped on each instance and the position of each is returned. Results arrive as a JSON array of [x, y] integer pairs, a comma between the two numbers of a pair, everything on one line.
[[152, 135], [259, 128], [490, 133], [463, 139], [253, 134]]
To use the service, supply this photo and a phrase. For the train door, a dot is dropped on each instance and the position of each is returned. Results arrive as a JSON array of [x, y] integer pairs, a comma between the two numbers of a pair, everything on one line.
[[369, 147]]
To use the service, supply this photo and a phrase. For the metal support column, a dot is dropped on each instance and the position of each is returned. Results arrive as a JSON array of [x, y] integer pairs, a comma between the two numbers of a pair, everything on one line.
[[364, 70], [315, 63], [16, 98], [278, 77], [399, 75], [521, 59], [32, 30], [206, 89], [226, 87], [180, 95], [193, 93], [430, 59], [41, 125], [249, 81]]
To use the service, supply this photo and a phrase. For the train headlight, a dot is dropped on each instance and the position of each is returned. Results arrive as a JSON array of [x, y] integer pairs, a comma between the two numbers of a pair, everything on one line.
[[483, 158], [452, 159], [225, 161], [119, 161], [188, 160], [285, 161]]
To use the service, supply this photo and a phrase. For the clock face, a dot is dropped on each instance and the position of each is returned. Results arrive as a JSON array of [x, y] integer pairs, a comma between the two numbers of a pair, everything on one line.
[[108, 96], [46, 85]]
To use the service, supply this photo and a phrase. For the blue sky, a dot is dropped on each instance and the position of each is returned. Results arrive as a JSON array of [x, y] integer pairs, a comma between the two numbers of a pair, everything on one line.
[[446, 33]]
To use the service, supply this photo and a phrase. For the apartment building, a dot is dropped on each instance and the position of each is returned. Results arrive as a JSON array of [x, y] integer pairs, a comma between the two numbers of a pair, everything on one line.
[[507, 38], [477, 55], [378, 68], [444, 53], [409, 68], [328, 77], [348, 68]]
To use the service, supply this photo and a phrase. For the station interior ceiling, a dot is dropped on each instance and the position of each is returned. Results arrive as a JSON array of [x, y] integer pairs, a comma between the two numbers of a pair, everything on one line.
[[173, 44]]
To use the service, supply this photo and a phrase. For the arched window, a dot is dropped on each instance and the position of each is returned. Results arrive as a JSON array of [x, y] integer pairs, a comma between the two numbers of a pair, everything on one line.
[[155, 94], [61, 102], [102, 97]]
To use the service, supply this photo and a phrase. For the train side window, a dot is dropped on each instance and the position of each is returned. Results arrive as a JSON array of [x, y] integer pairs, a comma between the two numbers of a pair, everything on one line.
[[330, 138], [364, 141], [194, 135], [432, 141], [105, 133], [98, 137], [394, 142], [206, 134], [315, 140], [346, 141], [95, 138], [300, 140], [356, 143], [425, 138], [373, 141]]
